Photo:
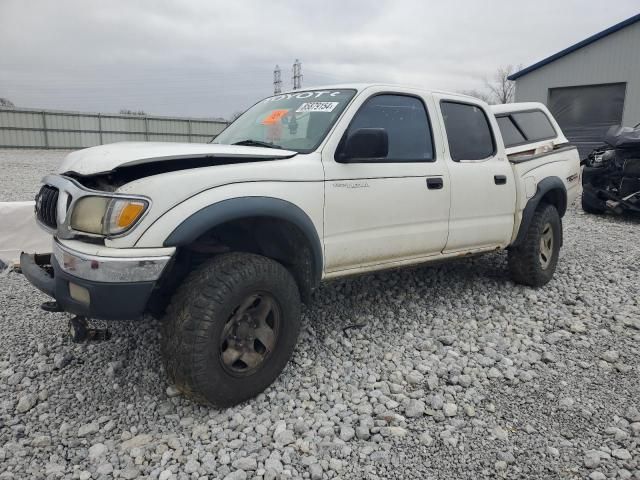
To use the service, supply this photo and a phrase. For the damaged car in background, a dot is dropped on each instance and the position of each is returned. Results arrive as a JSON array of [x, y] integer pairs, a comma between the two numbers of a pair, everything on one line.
[[611, 175]]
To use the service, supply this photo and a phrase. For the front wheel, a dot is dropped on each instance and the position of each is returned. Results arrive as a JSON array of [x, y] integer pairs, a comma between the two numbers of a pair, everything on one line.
[[231, 328], [534, 261]]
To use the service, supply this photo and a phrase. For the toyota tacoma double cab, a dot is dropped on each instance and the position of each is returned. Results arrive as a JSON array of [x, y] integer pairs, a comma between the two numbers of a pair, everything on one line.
[[225, 240]]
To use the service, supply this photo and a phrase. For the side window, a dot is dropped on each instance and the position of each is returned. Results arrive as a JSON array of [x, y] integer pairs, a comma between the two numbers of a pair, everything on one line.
[[510, 133], [406, 122], [535, 125], [468, 131]]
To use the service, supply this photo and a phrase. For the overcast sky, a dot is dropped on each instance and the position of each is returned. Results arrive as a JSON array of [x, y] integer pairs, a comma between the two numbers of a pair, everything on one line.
[[212, 58]]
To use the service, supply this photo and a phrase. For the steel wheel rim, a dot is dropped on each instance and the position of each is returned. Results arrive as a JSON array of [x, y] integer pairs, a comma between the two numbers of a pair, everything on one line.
[[250, 335], [546, 246]]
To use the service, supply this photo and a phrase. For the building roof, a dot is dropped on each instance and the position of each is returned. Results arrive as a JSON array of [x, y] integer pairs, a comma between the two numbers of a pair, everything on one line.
[[577, 46]]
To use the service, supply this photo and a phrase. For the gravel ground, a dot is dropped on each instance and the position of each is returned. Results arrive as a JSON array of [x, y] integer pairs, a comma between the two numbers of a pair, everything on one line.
[[22, 171], [457, 373]]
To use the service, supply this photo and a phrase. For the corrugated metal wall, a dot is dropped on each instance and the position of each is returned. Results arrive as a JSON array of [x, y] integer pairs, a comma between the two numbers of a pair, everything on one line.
[[27, 128], [612, 59]]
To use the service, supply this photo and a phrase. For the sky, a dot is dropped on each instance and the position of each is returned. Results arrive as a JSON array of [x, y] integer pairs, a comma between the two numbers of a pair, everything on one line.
[[212, 58]]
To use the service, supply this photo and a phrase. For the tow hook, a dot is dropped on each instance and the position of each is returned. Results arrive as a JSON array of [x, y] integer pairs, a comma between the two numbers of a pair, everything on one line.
[[81, 331], [51, 307]]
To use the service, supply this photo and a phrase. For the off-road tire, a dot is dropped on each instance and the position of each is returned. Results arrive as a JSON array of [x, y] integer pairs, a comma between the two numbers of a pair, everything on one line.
[[525, 265], [592, 204], [199, 310]]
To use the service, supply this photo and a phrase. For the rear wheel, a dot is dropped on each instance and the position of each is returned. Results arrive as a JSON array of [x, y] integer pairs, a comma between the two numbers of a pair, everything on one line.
[[534, 261], [231, 328]]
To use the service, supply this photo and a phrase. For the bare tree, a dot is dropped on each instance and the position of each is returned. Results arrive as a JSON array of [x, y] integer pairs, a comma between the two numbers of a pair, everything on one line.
[[126, 111], [482, 95], [500, 88], [5, 102]]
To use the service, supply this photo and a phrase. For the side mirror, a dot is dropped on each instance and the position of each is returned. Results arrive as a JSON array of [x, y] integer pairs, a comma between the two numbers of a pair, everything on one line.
[[365, 144]]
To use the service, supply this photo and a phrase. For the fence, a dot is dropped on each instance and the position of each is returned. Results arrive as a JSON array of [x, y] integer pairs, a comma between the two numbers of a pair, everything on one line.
[[30, 128]]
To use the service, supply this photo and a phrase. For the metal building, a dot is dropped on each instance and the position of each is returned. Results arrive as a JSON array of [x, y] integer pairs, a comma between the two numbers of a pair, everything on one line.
[[589, 86]]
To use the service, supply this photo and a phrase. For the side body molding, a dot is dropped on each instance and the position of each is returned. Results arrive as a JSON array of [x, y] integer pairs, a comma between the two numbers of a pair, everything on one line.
[[545, 186], [244, 207]]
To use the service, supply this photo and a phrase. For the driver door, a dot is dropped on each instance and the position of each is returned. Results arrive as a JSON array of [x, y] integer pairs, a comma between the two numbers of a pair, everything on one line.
[[389, 210]]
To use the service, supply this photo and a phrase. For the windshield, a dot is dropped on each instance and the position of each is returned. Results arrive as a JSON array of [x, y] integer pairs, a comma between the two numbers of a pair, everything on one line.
[[296, 121]]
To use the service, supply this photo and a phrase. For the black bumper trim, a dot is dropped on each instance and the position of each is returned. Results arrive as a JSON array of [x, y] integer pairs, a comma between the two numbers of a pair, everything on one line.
[[36, 274], [108, 301]]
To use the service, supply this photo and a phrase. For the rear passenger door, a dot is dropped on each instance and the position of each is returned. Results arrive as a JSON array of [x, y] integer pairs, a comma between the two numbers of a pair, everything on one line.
[[386, 210], [483, 191]]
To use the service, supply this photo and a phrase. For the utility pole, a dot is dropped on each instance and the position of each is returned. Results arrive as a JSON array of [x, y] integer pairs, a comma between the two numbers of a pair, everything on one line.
[[297, 75], [277, 81]]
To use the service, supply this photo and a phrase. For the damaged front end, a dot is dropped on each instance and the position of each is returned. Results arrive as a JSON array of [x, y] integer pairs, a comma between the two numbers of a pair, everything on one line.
[[611, 174]]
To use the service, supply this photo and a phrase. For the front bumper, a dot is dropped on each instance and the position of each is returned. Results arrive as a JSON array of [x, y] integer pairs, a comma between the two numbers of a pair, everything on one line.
[[103, 287]]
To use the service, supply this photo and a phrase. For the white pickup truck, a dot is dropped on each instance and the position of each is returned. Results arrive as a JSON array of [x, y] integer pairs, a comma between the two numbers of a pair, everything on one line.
[[224, 240]]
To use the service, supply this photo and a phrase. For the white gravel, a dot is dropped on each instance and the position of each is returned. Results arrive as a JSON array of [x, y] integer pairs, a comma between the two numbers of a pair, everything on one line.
[[22, 170], [458, 373]]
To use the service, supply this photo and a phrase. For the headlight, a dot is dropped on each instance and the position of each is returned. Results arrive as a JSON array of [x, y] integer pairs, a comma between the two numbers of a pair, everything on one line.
[[105, 215], [88, 214]]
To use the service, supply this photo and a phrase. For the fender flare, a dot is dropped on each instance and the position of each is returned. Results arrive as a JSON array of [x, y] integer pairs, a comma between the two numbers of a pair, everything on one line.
[[218, 213], [544, 186]]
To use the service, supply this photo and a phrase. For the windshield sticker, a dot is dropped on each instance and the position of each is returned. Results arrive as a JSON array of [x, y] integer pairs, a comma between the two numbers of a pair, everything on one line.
[[274, 116], [317, 107], [302, 95]]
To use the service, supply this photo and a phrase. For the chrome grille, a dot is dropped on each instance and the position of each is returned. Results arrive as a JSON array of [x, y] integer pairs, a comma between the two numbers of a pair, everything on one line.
[[47, 205]]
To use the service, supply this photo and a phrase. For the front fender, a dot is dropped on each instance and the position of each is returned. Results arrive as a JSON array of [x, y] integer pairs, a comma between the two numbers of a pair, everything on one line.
[[211, 216]]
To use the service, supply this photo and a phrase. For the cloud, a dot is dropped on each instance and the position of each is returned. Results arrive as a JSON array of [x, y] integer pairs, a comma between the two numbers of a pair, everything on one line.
[[213, 57]]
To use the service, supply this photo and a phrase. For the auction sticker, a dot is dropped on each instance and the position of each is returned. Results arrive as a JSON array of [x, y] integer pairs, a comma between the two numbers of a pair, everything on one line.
[[274, 116], [317, 107]]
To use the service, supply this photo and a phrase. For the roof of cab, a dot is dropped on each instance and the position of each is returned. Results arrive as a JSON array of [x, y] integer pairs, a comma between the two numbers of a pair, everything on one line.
[[391, 86]]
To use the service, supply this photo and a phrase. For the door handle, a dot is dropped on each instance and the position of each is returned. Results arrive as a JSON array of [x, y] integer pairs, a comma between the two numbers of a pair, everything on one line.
[[500, 179], [435, 183]]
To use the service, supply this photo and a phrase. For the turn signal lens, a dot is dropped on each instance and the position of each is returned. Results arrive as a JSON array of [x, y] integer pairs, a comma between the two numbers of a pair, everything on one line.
[[123, 214], [129, 214]]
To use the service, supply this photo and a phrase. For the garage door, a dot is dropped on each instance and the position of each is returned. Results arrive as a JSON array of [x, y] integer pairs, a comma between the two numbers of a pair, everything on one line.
[[585, 113]]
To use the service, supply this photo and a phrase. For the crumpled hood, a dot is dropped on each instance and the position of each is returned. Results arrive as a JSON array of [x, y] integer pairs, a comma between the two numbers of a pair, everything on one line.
[[105, 158]]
